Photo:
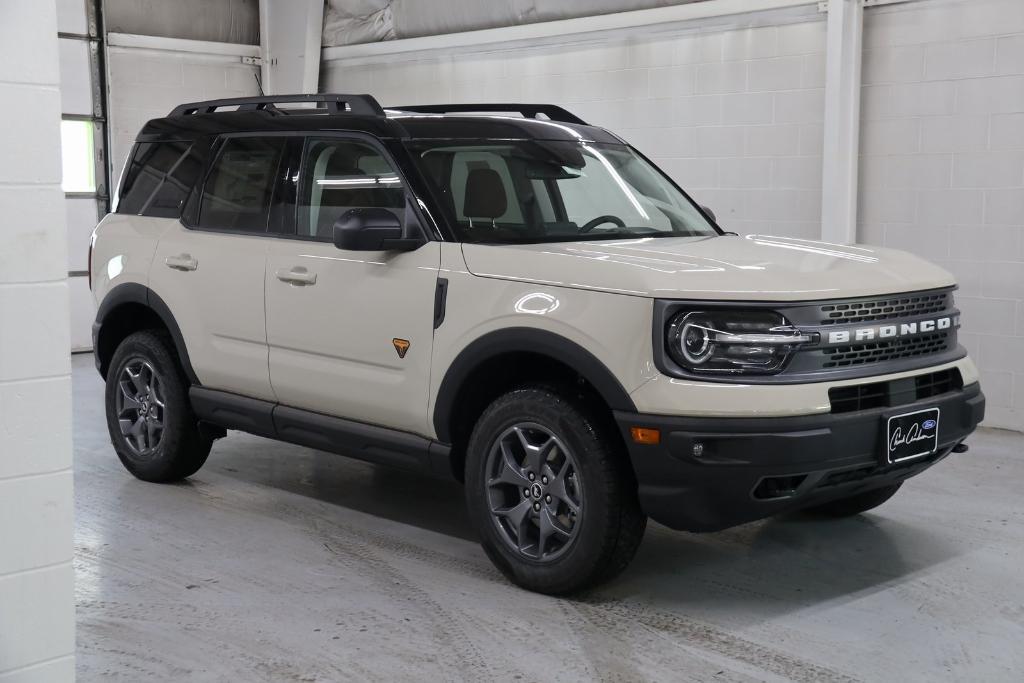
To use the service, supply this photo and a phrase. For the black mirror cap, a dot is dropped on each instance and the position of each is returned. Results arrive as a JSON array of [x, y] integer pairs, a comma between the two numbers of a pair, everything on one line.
[[710, 213], [372, 229]]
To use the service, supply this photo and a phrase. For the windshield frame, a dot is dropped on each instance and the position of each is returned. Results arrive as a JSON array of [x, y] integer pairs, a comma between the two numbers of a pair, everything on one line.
[[414, 147]]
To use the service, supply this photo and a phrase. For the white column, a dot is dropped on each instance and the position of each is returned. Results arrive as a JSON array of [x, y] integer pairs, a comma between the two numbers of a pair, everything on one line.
[[37, 618], [291, 32], [842, 121]]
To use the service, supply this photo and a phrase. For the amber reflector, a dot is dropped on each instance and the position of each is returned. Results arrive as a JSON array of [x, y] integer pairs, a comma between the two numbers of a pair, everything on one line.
[[645, 435]]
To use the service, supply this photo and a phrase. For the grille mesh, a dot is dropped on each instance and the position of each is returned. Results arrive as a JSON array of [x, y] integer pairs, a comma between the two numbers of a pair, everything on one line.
[[884, 309], [877, 352]]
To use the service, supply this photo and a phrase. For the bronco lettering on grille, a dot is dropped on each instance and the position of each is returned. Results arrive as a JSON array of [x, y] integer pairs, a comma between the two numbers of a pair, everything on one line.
[[882, 332]]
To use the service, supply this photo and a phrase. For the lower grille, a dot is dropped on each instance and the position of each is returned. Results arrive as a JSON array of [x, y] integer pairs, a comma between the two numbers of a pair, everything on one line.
[[879, 352], [775, 488], [862, 473], [894, 393]]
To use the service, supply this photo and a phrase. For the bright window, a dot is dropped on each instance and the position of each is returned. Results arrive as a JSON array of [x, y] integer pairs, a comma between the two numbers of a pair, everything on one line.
[[78, 155]]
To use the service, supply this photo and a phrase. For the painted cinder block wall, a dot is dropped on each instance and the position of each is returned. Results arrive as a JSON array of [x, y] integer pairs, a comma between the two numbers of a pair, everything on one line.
[[37, 628], [147, 84], [734, 115], [942, 166], [733, 109]]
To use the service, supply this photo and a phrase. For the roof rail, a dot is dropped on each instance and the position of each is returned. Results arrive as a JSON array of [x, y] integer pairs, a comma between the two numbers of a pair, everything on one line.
[[335, 103], [530, 111]]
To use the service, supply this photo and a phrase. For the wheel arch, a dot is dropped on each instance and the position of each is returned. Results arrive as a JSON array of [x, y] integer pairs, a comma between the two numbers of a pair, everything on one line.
[[512, 357], [128, 308]]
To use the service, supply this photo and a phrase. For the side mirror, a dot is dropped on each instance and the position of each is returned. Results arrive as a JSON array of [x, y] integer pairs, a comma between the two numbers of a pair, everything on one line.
[[371, 230], [714, 218]]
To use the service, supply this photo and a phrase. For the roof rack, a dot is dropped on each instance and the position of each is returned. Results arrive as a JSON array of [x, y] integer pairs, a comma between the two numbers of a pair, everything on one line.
[[335, 104], [530, 111]]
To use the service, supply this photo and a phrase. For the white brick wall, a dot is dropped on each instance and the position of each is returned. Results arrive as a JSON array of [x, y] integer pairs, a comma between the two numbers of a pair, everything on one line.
[[942, 166], [36, 579], [146, 84], [733, 113]]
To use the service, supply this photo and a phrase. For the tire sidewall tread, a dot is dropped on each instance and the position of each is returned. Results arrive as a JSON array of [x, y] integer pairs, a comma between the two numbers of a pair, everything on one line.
[[182, 449], [612, 522]]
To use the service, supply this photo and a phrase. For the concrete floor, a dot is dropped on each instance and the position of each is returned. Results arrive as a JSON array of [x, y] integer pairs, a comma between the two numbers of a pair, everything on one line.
[[280, 563]]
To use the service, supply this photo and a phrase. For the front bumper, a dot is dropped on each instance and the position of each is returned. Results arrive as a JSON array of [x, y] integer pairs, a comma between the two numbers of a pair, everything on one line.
[[751, 468]]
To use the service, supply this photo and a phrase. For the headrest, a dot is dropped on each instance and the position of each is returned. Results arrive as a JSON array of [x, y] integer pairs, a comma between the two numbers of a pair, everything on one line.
[[341, 164], [485, 194]]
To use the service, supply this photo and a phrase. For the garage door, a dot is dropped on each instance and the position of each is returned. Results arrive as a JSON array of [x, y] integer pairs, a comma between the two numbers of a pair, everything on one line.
[[83, 143]]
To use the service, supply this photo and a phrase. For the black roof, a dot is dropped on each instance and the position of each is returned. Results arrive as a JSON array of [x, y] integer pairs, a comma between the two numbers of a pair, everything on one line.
[[362, 113]]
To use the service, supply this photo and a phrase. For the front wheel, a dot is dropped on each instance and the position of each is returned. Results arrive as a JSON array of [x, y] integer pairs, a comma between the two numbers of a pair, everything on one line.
[[149, 417], [856, 504], [550, 492]]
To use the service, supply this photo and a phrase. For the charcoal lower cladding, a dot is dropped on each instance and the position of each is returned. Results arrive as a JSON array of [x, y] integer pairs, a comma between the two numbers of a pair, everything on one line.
[[896, 392], [777, 488]]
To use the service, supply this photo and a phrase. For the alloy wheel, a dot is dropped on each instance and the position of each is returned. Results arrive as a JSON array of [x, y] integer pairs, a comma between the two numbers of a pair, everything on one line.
[[534, 491], [140, 407]]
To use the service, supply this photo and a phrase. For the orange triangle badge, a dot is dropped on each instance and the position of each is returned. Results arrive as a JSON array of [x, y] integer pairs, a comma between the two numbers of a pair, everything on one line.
[[401, 346]]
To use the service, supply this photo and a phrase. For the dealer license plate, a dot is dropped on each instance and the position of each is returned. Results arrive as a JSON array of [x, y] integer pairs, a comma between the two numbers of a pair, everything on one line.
[[912, 435]]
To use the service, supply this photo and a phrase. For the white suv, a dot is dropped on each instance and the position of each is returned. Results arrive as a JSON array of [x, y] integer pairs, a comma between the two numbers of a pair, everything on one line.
[[508, 296]]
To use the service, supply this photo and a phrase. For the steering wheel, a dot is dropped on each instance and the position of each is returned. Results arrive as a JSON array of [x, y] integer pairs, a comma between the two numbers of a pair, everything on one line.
[[590, 225]]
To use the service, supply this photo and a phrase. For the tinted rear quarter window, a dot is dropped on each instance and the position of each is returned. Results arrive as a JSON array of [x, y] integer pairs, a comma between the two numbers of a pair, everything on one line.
[[159, 178]]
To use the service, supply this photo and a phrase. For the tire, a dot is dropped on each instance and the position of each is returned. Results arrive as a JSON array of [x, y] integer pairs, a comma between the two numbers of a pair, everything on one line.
[[854, 505], [152, 427], [584, 466]]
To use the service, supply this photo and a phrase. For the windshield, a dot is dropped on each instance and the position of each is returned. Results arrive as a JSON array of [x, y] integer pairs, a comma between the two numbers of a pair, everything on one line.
[[544, 191]]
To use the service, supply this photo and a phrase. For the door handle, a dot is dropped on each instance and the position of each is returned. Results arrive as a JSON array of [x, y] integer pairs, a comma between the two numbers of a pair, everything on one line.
[[297, 276], [182, 262]]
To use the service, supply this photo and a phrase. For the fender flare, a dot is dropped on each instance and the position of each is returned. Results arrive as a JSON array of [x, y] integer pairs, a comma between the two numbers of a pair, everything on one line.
[[524, 340], [134, 293]]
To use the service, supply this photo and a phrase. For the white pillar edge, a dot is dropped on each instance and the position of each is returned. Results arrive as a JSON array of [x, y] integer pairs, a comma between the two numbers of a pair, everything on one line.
[[314, 44], [842, 121], [265, 73], [281, 46]]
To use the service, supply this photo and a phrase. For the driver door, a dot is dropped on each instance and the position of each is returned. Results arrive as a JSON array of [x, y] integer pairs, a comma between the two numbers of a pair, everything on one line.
[[350, 333]]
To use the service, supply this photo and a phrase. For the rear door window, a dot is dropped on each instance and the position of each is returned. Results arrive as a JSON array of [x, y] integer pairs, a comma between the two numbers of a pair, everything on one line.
[[240, 185]]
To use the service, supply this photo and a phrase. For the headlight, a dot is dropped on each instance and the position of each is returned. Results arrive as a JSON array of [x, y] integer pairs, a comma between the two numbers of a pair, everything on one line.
[[737, 342]]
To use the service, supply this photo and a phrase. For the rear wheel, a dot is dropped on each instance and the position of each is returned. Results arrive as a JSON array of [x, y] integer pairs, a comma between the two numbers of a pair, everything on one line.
[[550, 492], [854, 505], [149, 416]]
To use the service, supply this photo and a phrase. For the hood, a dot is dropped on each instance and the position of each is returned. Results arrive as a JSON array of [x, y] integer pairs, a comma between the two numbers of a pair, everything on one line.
[[755, 267]]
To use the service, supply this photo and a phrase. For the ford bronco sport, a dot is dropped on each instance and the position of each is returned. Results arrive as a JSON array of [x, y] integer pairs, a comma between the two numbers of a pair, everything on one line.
[[508, 296]]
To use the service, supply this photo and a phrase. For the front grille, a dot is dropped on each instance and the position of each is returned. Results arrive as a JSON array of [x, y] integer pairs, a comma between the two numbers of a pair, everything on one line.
[[880, 351], [852, 337], [884, 309], [894, 393]]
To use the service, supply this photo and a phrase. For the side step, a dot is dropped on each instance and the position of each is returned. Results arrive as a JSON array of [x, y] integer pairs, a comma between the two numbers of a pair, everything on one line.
[[359, 440]]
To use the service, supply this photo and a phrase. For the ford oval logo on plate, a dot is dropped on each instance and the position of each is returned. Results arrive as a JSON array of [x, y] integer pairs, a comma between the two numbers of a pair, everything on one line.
[[928, 424]]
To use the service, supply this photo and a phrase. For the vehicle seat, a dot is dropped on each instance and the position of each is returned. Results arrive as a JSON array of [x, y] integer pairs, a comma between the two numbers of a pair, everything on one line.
[[340, 184], [485, 195]]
